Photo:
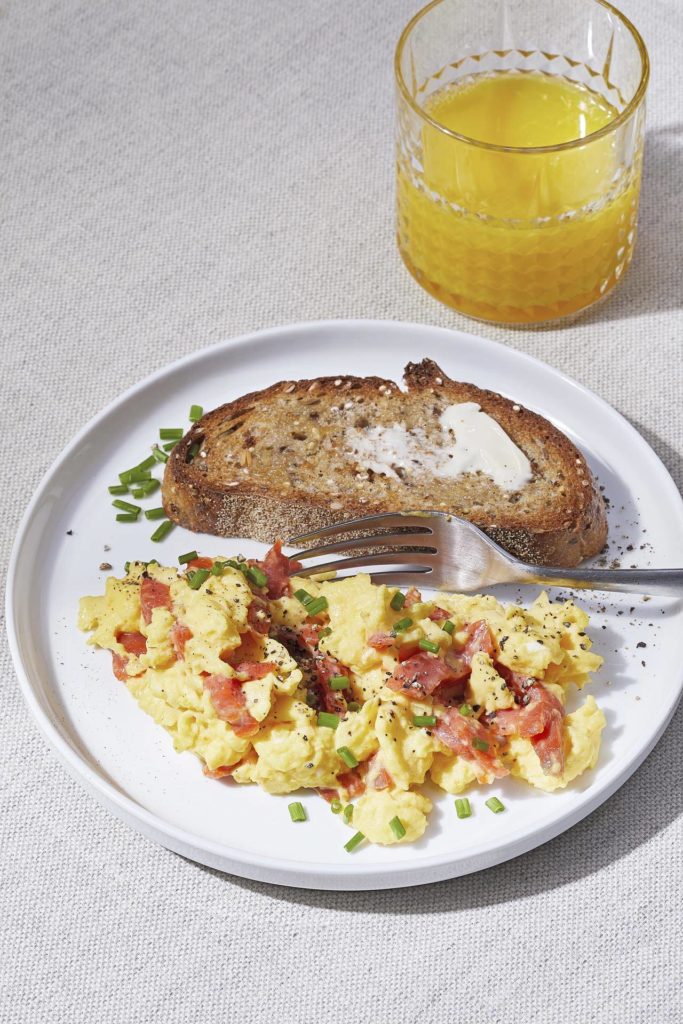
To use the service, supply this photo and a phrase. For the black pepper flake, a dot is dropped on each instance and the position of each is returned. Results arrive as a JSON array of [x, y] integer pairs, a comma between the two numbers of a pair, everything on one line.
[[641, 643], [69, 533]]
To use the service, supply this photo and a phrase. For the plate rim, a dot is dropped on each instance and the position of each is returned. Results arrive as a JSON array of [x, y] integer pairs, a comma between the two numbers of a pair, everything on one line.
[[269, 868]]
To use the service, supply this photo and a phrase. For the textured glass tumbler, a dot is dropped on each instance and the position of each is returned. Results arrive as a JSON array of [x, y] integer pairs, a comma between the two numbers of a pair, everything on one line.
[[519, 233]]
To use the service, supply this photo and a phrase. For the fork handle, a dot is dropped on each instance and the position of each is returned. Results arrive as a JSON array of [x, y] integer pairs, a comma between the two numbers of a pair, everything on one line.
[[660, 582]]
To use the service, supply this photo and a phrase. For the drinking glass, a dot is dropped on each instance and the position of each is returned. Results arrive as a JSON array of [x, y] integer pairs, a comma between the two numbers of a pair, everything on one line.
[[519, 233]]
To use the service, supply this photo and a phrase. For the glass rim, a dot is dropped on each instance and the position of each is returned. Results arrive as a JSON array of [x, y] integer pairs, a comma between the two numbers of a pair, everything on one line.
[[623, 116]]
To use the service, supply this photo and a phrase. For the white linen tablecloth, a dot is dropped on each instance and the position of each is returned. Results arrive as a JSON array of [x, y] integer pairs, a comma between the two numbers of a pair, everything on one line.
[[176, 173]]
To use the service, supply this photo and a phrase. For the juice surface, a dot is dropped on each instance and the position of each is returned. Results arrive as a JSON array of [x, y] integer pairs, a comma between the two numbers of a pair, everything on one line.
[[510, 236]]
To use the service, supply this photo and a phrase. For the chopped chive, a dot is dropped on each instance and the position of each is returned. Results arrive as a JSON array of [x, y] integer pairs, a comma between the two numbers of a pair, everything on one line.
[[336, 806], [146, 463], [194, 448], [155, 513], [348, 813], [448, 627], [348, 757], [324, 632], [257, 576], [495, 805], [146, 488], [397, 827], [353, 705], [420, 720], [169, 446], [466, 710], [159, 456], [189, 556], [296, 811], [118, 489], [171, 433], [302, 596], [353, 842], [126, 567], [339, 682], [429, 645], [198, 577], [162, 530], [402, 625], [316, 606], [479, 744], [328, 720], [217, 569], [397, 601], [134, 475], [126, 506], [127, 517], [234, 564], [462, 807], [196, 413]]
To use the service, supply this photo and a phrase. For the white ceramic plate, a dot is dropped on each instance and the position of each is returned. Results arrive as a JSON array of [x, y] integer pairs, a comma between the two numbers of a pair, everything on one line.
[[127, 761]]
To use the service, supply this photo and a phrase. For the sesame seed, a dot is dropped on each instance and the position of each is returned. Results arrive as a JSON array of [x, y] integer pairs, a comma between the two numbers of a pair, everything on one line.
[[337, 382], [516, 408], [289, 389]]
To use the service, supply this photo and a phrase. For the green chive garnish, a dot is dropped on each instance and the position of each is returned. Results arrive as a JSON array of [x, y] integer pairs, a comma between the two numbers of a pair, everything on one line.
[[339, 682], [495, 805], [336, 806], [257, 576], [302, 596], [217, 569], [146, 488], [296, 811], [479, 744], [159, 456], [353, 842], [146, 463], [324, 632], [348, 813], [397, 601], [118, 489], [448, 627], [316, 606], [189, 556], [462, 807], [127, 517], [353, 705], [198, 577], [402, 625], [397, 827], [196, 413], [466, 710], [169, 446], [348, 757], [171, 433], [328, 720], [420, 720], [194, 448], [126, 506], [155, 513], [126, 567], [162, 530], [134, 475], [429, 645]]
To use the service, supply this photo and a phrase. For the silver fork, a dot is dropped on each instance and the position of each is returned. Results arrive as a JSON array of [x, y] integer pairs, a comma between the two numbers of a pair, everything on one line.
[[455, 555]]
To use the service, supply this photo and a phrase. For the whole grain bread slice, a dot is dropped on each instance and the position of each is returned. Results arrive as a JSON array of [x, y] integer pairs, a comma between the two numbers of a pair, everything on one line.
[[279, 462]]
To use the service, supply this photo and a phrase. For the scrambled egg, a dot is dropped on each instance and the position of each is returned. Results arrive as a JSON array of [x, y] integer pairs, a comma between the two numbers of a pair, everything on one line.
[[252, 706]]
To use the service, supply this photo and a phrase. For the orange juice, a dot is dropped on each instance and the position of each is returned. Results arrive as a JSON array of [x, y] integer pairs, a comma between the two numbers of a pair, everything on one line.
[[518, 234]]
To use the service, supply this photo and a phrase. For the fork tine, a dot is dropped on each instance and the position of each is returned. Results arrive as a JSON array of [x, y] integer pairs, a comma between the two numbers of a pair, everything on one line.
[[399, 578], [409, 560], [390, 521], [397, 540]]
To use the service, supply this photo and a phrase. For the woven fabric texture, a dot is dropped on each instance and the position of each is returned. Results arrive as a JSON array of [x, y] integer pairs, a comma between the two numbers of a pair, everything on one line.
[[176, 173]]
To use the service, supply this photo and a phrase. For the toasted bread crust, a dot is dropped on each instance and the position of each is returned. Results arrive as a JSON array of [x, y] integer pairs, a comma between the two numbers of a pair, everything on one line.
[[211, 495]]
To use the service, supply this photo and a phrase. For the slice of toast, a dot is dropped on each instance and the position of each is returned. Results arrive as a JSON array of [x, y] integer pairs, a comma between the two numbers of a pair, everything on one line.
[[279, 462]]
